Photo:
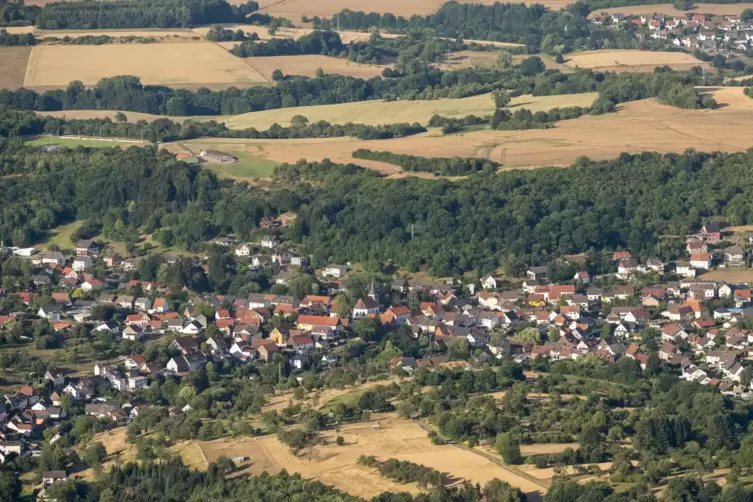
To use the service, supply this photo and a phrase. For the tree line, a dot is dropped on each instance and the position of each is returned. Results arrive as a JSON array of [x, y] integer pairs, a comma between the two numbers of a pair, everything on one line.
[[88, 15], [16, 39], [165, 130], [443, 166], [316, 42], [404, 471]]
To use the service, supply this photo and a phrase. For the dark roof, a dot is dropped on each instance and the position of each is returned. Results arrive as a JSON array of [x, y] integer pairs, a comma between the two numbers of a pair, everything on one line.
[[712, 227]]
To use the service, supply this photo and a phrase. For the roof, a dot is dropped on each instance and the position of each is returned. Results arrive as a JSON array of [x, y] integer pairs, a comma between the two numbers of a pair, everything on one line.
[[318, 320]]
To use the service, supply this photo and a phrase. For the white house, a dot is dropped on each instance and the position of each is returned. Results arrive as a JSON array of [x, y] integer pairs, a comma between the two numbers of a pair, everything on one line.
[[243, 250], [81, 263], [489, 282], [334, 270], [270, 242], [365, 307]]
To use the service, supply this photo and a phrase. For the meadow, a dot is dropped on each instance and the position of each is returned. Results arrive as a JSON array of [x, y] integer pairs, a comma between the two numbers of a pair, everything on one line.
[[633, 60], [668, 9], [307, 65]]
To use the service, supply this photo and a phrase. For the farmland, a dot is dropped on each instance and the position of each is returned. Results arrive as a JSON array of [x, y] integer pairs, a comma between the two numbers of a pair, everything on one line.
[[13, 61], [154, 33], [668, 9], [638, 126], [294, 9], [308, 64], [379, 112], [204, 65], [633, 60], [250, 163]]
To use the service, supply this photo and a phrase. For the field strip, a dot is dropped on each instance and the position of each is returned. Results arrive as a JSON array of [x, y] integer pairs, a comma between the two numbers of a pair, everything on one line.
[[246, 62]]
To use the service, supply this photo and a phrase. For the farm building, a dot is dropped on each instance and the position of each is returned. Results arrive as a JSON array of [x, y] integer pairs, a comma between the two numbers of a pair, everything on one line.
[[215, 156]]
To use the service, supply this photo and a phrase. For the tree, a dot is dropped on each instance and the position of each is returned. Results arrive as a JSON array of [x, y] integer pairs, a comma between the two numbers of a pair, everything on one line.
[[501, 491], [277, 76], [299, 121], [682, 4], [340, 441], [509, 447], [319, 73], [532, 66], [504, 60], [95, 454], [10, 487], [530, 335], [501, 98]]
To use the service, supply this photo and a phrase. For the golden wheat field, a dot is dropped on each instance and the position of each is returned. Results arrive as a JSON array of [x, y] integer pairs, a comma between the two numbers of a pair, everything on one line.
[[637, 127], [668, 9], [632, 60], [308, 64], [381, 112], [170, 64]]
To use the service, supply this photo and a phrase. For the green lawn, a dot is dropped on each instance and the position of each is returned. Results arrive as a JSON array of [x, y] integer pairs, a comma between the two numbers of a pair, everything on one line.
[[61, 236], [72, 142], [248, 166]]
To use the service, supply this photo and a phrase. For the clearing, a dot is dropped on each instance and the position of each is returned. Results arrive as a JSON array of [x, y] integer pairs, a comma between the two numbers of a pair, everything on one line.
[[308, 64], [250, 164], [392, 112], [13, 62], [639, 126], [205, 65], [668, 9], [633, 60], [467, 59], [294, 9]]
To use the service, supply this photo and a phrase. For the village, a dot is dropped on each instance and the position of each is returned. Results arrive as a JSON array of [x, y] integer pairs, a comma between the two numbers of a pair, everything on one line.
[[651, 312], [712, 35]]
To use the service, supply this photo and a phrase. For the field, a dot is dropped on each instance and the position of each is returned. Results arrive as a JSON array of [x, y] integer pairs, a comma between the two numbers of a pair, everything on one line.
[[337, 465], [107, 114], [637, 127], [668, 10], [206, 64], [381, 112], [294, 9], [87, 142], [250, 163], [633, 60], [467, 59], [13, 62], [731, 275], [149, 32], [307, 66]]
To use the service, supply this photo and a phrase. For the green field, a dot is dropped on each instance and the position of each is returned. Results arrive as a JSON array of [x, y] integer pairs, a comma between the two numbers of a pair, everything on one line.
[[248, 165]]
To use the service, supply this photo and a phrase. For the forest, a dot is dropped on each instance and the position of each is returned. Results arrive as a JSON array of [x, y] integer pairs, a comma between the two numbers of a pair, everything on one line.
[[316, 42], [16, 39], [89, 15]]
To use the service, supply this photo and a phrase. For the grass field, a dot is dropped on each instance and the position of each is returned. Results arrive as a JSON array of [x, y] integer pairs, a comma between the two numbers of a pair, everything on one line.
[[381, 112], [74, 142], [205, 64], [632, 60], [307, 66], [13, 62], [251, 163], [731, 275], [467, 59], [638, 126], [668, 10]]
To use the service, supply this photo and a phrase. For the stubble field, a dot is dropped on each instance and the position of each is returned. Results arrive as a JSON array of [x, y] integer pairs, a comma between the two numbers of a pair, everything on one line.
[[171, 64], [633, 60], [294, 9], [308, 64], [637, 127], [668, 9], [13, 62]]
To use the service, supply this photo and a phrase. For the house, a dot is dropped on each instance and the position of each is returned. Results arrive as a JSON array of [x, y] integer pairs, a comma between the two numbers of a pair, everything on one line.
[[537, 273], [626, 268], [299, 261], [124, 302], [243, 250], [670, 332], [489, 282], [302, 343], [137, 382], [142, 304], [49, 478], [53, 258], [81, 263], [87, 247], [667, 351], [655, 265], [319, 324], [267, 350], [695, 246], [582, 277], [56, 376], [711, 232], [270, 242], [365, 307], [186, 363], [49, 312], [734, 255], [685, 269], [617, 18], [134, 362], [216, 156], [700, 261], [160, 306], [334, 271]]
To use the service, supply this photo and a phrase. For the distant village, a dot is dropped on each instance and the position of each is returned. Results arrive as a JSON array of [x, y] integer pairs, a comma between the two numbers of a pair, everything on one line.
[[723, 35], [700, 327]]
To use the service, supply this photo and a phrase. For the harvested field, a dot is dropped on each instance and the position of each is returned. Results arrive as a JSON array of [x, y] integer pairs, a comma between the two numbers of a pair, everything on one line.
[[106, 114], [151, 32], [546, 448], [337, 465], [467, 59], [381, 112], [638, 126], [206, 64], [13, 62], [308, 64], [294, 9], [731, 275], [668, 10], [633, 60], [20, 30]]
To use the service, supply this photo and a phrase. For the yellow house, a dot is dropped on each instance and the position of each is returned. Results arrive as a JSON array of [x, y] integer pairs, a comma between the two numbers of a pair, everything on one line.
[[278, 337]]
